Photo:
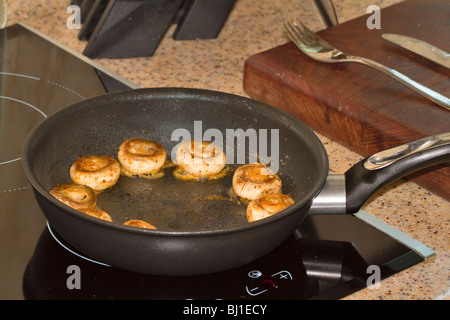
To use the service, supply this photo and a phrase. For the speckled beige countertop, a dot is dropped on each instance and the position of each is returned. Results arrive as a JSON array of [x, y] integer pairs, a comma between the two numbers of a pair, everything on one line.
[[217, 64]]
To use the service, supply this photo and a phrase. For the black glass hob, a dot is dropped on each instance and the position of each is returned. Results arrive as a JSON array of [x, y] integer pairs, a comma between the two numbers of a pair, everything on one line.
[[328, 257]]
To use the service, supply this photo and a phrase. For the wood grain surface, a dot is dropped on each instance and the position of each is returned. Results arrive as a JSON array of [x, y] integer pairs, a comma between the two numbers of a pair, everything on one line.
[[355, 105]]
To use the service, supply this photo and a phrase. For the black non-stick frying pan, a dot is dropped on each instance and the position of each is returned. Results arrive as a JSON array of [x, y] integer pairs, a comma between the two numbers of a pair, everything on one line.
[[200, 227]]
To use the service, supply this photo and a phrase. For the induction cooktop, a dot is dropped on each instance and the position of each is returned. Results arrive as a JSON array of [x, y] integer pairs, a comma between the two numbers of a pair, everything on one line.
[[328, 257]]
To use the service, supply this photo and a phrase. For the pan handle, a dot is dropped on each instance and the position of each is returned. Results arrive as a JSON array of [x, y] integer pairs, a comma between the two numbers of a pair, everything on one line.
[[371, 174], [347, 193]]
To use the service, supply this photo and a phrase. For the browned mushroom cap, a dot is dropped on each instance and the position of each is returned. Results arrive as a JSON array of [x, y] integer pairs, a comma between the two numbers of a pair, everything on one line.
[[97, 213], [97, 172], [75, 195], [141, 157], [253, 181], [268, 205], [139, 224]]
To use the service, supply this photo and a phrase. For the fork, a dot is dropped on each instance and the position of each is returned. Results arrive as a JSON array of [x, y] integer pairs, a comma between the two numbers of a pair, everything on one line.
[[318, 49]]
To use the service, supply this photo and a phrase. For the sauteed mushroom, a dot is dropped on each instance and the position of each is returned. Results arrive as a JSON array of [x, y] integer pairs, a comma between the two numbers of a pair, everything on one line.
[[199, 160], [139, 224], [75, 196], [141, 158], [268, 205], [253, 181], [97, 213], [97, 172]]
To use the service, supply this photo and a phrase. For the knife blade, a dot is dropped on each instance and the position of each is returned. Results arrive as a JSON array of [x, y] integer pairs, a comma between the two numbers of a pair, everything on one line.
[[420, 47]]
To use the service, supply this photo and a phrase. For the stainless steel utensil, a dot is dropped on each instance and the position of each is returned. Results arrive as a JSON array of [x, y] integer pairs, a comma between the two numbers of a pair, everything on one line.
[[420, 47], [318, 49]]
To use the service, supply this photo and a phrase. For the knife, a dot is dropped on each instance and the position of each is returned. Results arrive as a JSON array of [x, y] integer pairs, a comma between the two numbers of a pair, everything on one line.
[[420, 47]]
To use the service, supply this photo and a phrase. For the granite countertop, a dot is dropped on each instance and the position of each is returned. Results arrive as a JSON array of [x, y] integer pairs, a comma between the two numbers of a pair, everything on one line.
[[217, 64]]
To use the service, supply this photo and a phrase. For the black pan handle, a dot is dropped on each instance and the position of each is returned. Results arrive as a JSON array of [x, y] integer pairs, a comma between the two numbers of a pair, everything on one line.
[[371, 174], [347, 193]]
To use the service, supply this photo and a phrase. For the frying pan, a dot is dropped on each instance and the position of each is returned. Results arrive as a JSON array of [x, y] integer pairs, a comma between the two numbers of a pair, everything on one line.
[[200, 228]]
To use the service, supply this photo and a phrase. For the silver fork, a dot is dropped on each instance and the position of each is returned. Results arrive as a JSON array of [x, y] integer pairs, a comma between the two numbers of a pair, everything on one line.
[[318, 49]]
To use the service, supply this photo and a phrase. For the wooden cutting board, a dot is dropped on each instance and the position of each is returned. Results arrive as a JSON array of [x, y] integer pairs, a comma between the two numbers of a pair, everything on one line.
[[355, 105]]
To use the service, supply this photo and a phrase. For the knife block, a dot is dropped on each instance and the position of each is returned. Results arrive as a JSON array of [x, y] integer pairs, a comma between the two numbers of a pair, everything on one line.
[[124, 28]]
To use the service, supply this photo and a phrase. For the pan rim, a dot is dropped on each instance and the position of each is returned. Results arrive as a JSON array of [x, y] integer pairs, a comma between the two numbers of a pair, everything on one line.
[[171, 92]]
